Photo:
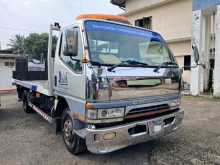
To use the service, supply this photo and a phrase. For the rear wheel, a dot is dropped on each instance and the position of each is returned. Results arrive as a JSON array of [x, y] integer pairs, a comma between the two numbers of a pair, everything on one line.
[[73, 142], [26, 107]]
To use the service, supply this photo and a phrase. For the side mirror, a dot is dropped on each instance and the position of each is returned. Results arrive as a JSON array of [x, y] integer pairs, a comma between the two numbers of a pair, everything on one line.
[[181, 71], [196, 57], [71, 46], [196, 54]]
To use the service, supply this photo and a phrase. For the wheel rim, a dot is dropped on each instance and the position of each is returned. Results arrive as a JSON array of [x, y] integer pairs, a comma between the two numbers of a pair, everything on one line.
[[68, 131]]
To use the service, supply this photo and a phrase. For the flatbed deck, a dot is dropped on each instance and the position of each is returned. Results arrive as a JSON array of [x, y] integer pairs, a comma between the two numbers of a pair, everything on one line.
[[37, 86]]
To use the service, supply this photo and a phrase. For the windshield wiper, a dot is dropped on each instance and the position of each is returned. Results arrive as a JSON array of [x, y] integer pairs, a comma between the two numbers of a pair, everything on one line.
[[164, 64], [127, 62], [95, 63]]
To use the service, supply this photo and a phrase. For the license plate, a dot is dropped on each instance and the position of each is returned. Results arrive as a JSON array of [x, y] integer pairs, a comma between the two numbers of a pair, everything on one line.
[[156, 127]]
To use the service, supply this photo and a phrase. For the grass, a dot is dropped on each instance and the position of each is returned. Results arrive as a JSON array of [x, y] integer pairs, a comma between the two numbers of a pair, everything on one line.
[[204, 98]]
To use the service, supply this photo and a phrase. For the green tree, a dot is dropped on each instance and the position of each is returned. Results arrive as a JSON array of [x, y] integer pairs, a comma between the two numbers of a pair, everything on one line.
[[17, 44], [34, 45]]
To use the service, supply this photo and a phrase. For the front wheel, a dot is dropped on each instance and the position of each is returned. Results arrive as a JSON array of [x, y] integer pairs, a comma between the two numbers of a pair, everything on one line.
[[26, 107], [73, 142]]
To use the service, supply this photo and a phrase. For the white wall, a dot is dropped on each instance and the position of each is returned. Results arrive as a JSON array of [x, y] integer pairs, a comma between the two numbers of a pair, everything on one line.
[[5, 76], [217, 56], [133, 5]]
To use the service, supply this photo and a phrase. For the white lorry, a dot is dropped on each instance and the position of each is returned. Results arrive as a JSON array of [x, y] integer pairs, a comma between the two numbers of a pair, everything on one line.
[[109, 85]]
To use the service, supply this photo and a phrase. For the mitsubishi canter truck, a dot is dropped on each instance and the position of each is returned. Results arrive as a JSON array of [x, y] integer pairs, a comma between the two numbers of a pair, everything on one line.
[[108, 85]]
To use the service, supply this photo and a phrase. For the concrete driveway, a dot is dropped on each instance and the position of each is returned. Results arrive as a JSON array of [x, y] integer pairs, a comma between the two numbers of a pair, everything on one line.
[[26, 139]]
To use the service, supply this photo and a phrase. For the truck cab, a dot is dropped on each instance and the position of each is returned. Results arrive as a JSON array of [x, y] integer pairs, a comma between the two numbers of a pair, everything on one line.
[[110, 85]]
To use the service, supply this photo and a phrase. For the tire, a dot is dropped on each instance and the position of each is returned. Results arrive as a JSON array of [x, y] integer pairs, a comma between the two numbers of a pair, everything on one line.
[[26, 107], [73, 142]]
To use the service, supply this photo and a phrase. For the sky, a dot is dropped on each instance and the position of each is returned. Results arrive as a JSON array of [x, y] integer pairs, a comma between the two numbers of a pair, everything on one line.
[[27, 16]]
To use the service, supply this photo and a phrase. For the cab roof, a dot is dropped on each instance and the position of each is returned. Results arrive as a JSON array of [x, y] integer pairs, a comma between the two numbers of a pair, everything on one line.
[[114, 18]]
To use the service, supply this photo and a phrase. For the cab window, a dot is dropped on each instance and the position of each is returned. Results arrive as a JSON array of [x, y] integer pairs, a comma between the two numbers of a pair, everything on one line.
[[71, 49]]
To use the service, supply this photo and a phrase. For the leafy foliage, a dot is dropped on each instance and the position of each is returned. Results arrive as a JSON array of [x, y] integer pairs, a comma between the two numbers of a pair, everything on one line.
[[17, 44], [34, 45]]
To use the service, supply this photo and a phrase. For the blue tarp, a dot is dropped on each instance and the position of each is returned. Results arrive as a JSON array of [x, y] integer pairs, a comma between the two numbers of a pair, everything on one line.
[[204, 4]]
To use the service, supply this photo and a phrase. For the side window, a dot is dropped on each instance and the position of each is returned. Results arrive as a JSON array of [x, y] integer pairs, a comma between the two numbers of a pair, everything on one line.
[[71, 49]]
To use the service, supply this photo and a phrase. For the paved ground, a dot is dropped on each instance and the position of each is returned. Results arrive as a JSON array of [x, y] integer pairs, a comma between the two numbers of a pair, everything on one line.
[[29, 140]]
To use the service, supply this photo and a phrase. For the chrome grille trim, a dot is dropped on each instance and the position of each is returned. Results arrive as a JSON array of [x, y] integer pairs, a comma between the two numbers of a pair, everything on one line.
[[138, 102], [147, 109]]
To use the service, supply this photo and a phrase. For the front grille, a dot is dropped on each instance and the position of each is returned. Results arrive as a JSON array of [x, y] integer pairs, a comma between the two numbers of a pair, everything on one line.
[[144, 113], [149, 111]]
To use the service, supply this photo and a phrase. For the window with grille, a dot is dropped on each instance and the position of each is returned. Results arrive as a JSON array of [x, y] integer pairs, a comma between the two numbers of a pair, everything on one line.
[[145, 22], [9, 63]]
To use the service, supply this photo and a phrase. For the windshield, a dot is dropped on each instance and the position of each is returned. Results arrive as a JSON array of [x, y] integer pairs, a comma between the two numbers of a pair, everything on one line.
[[111, 44]]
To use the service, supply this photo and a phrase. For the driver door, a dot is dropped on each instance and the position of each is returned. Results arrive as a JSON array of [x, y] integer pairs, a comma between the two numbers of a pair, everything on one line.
[[68, 70]]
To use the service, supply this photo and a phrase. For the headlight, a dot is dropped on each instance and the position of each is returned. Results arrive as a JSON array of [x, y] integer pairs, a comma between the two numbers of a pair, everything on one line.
[[92, 114], [175, 103], [96, 114], [111, 113]]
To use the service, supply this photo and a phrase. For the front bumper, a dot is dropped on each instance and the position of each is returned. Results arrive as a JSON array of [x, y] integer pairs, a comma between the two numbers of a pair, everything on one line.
[[97, 144]]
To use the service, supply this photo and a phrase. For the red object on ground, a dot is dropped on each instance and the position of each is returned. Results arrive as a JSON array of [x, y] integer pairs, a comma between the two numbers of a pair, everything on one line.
[[7, 91]]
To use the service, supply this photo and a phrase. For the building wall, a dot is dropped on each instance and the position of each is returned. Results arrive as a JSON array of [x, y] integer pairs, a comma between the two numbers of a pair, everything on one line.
[[181, 48], [217, 55], [203, 13], [172, 19], [186, 73], [6, 74], [133, 5]]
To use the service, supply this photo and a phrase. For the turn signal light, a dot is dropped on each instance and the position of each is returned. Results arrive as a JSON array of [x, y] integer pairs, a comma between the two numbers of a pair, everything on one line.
[[38, 95], [89, 106]]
